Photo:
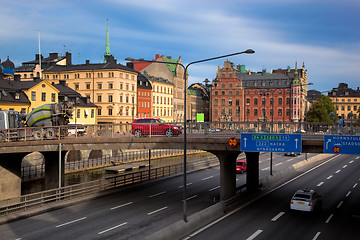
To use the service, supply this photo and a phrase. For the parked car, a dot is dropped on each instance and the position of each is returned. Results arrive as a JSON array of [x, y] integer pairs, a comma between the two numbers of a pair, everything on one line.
[[241, 166], [299, 131], [154, 126], [291, 154], [306, 200]]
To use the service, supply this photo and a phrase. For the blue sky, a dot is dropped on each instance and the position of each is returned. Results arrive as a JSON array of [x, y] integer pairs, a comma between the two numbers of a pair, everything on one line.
[[325, 34]]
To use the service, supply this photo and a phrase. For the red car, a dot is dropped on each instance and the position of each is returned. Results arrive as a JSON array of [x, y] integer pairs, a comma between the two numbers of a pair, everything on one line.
[[154, 126], [241, 166]]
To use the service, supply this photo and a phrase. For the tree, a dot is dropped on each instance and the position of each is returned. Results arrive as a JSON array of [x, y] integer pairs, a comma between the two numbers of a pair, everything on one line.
[[319, 112]]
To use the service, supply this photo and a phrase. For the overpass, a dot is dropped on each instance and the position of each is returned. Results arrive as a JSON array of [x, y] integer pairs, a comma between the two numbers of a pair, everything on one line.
[[12, 153]]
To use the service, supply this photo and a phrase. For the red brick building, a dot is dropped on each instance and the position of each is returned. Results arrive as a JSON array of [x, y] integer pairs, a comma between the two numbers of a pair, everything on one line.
[[238, 94], [144, 89]]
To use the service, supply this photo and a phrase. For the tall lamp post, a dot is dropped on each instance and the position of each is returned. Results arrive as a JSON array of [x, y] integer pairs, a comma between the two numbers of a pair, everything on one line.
[[248, 51]]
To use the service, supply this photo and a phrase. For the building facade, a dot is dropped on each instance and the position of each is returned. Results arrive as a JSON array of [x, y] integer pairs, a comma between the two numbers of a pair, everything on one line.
[[346, 101], [238, 94], [144, 97]]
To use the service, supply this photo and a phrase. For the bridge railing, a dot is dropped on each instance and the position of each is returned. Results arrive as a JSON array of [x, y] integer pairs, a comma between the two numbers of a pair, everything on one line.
[[152, 130]]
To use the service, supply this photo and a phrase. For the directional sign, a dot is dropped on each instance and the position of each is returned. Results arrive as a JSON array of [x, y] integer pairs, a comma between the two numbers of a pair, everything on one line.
[[342, 144], [262, 142]]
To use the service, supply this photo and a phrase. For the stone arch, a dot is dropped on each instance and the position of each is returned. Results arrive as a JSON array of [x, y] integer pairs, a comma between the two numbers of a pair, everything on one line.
[[95, 154], [73, 155]]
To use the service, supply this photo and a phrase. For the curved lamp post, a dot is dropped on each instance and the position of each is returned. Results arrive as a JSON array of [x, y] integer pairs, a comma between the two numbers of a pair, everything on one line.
[[248, 51]]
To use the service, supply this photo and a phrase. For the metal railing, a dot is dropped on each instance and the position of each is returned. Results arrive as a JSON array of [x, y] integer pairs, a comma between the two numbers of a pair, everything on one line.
[[151, 130], [77, 191]]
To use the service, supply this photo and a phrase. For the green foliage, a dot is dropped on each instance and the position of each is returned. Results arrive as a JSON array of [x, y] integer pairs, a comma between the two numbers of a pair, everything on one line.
[[319, 112]]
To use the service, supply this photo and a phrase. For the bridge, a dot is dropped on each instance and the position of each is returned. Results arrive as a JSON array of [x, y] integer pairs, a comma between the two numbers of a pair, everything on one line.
[[12, 153]]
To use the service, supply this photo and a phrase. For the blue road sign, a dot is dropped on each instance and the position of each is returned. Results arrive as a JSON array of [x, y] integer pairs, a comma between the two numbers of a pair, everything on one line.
[[342, 144], [264, 142]]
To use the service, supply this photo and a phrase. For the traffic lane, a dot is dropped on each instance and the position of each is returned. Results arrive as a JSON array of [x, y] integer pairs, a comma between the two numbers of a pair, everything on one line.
[[258, 215], [97, 207]]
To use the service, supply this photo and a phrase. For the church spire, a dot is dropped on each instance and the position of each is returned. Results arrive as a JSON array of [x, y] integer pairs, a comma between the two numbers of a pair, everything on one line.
[[107, 45]]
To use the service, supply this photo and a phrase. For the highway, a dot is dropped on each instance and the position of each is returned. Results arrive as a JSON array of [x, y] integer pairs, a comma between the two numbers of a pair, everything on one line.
[[269, 217], [137, 211]]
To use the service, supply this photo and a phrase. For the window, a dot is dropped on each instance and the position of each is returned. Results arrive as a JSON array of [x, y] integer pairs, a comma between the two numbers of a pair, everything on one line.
[[255, 112], [110, 85], [230, 101], [280, 101], [223, 102], [222, 92], [99, 111], [349, 108], [92, 113], [78, 113], [247, 101], [99, 86], [230, 93], [237, 93], [88, 86], [279, 112], [76, 86], [223, 85], [263, 101], [237, 102], [255, 101], [43, 96], [23, 110], [216, 102], [216, 92], [110, 111], [287, 101], [99, 98], [110, 98], [53, 96], [33, 96], [17, 95]]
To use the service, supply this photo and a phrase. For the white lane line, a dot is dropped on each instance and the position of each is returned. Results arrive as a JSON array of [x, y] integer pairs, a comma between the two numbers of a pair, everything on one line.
[[123, 205], [212, 189], [338, 171], [277, 216], [112, 228], [189, 198], [339, 205], [351, 161], [357, 157], [289, 160], [157, 194], [355, 185], [207, 178], [254, 235], [348, 194], [329, 177], [316, 235], [320, 184], [157, 211], [188, 184], [265, 169], [329, 218], [77, 220], [278, 164], [345, 166]]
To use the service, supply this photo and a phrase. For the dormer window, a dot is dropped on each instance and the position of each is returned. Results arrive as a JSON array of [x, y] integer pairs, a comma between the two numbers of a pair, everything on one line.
[[17, 96]]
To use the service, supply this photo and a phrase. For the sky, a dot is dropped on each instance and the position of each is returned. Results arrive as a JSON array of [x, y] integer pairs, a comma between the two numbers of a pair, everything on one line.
[[322, 34]]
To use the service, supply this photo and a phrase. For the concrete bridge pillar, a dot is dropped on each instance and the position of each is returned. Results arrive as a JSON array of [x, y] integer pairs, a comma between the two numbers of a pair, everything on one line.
[[227, 173], [52, 169], [10, 175], [252, 172]]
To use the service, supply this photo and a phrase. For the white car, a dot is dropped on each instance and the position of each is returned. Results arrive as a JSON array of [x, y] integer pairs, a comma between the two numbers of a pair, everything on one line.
[[305, 200]]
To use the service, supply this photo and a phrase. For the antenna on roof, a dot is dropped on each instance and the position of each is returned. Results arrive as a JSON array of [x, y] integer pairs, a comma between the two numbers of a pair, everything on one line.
[[40, 57]]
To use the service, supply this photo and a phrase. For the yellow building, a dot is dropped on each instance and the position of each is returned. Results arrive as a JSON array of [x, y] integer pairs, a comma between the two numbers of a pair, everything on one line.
[[346, 101]]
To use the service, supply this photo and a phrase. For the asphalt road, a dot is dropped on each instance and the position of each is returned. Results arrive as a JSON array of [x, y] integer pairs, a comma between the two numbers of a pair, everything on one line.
[[134, 212], [338, 181]]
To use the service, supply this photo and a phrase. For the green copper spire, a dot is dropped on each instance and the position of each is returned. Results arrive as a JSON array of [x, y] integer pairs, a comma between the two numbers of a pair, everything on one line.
[[296, 75], [107, 45]]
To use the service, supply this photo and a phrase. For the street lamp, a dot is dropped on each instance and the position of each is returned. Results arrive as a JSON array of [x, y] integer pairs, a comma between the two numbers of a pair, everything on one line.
[[248, 51]]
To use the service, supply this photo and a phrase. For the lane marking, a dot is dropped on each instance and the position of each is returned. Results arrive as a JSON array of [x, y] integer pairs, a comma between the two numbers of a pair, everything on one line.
[[329, 177], [348, 194], [351, 161], [265, 169], [338, 171], [112, 228], [357, 157], [290, 160], [77, 220], [345, 166], [189, 198], [123, 205], [329, 218], [355, 185], [207, 178], [188, 184], [150, 213], [316, 235], [277, 216], [212, 189], [278, 164], [262, 195], [254, 235], [157, 194], [320, 184], [339, 205]]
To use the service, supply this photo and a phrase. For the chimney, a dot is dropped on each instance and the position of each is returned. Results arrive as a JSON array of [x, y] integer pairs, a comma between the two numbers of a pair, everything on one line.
[[68, 59], [37, 57], [53, 55], [62, 83], [130, 65], [157, 56], [87, 62]]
